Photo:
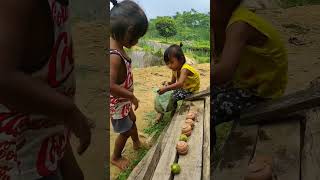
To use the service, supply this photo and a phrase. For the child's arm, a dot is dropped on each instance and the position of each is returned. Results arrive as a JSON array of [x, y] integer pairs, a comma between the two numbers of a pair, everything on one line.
[[23, 93], [173, 80], [69, 167], [237, 36], [179, 84], [115, 89]]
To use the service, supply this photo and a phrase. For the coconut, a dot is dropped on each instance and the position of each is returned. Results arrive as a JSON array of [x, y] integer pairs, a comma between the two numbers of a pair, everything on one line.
[[190, 122], [182, 148], [191, 115], [186, 129]]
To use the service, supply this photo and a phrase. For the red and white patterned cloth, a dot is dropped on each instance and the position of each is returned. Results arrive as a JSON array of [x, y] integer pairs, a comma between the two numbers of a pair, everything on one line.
[[120, 107], [30, 144]]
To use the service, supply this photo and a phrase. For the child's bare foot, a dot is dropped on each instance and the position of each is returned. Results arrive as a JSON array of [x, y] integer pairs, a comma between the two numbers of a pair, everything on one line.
[[159, 118], [122, 163], [141, 144], [137, 145]]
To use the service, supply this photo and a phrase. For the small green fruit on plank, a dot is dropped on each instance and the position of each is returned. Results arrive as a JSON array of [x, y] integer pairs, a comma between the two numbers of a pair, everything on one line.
[[183, 137], [175, 168]]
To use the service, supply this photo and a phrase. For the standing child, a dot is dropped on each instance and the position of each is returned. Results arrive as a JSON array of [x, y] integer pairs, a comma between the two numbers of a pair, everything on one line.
[[185, 79], [251, 64], [128, 23]]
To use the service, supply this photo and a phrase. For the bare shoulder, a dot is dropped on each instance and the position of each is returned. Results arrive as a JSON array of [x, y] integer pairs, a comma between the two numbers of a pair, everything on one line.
[[186, 72], [115, 60], [243, 31]]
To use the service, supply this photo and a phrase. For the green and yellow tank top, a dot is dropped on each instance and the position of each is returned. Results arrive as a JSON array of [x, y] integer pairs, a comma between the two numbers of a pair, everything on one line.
[[192, 83], [262, 69]]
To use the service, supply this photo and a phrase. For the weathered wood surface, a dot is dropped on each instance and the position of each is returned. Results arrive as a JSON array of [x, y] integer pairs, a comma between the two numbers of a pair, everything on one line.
[[310, 165], [237, 153], [191, 163], [281, 142], [199, 95], [169, 155], [206, 141], [146, 167], [141, 171], [278, 109]]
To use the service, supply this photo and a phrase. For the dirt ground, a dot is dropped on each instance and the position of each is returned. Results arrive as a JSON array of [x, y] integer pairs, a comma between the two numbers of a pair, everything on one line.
[[301, 24]]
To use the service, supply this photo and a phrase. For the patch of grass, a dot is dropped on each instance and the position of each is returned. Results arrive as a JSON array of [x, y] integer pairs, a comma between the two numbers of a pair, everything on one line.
[[153, 127], [125, 174], [223, 131]]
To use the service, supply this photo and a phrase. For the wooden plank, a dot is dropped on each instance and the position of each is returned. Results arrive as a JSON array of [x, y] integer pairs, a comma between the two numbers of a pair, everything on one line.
[[281, 142], [199, 95], [146, 167], [277, 109], [191, 163], [206, 141], [140, 171], [237, 153], [169, 155], [310, 164]]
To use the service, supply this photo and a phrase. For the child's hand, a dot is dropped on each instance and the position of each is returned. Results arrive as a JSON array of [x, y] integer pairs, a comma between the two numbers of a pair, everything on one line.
[[135, 102], [162, 90], [165, 83], [81, 127]]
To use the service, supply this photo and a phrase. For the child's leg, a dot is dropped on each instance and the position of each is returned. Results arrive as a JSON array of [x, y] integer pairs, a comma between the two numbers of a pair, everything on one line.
[[117, 158], [134, 131], [159, 117], [69, 166], [178, 95], [123, 127], [227, 104]]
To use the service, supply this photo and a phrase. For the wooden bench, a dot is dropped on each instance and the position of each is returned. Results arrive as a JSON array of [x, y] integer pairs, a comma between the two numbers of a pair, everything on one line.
[[288, 130], [196, 164]]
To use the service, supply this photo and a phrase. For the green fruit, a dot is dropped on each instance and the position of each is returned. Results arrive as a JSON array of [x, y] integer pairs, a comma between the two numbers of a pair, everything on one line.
[[183, 137], [175, 168]]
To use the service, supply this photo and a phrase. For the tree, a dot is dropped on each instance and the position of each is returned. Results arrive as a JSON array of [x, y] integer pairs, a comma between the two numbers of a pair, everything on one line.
[[166, 27]]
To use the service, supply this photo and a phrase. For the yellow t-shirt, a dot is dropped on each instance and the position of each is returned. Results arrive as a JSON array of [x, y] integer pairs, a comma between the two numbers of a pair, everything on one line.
[[192, 83], [262, 69]]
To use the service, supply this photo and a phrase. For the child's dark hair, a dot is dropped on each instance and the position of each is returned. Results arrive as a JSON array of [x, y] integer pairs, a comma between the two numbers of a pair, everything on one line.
[[125, 14], [174, 51]]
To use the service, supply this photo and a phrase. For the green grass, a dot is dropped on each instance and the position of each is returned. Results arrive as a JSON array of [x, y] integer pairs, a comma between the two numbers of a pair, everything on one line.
[[223, 131], [125, 174], [156, 128]]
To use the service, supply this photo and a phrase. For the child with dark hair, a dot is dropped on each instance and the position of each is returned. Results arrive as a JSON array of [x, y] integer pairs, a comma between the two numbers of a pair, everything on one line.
[[251, 64], [128, 23], [185, 79]]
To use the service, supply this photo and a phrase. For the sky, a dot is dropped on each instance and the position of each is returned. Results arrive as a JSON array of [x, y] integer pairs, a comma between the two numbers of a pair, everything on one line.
[[154, 8]]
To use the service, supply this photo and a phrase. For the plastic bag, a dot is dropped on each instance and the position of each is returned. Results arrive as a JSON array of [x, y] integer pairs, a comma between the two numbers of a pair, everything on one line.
[[164, 102]]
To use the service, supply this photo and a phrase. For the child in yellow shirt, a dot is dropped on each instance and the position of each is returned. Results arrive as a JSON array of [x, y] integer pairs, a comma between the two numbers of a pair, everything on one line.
[[185, 79], [251, 64]]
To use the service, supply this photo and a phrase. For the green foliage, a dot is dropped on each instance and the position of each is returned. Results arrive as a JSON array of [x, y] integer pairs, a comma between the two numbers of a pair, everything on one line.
[[193, 30], [190, 26], [166, 26]]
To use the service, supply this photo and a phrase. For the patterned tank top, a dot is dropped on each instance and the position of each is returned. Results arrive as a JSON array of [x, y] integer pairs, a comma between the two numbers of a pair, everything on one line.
[[120, 107], [30, 144]]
